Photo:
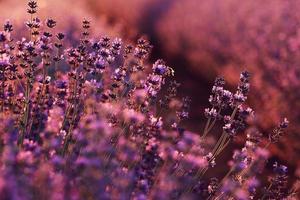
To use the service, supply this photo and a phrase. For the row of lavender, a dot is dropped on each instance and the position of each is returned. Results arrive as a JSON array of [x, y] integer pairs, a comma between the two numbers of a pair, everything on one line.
[[90, 122], [221, 37]]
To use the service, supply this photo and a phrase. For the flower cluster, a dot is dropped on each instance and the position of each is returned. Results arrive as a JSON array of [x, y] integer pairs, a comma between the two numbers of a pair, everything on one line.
[[90, 121]]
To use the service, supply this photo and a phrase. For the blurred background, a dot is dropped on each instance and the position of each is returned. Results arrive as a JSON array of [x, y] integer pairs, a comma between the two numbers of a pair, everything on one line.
[[202, 39]]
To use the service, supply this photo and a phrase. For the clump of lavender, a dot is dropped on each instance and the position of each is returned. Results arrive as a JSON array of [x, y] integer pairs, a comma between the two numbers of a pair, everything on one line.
[[101, 130]]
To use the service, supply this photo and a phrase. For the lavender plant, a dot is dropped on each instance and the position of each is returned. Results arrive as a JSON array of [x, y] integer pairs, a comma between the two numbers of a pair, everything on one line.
[[102, 130]]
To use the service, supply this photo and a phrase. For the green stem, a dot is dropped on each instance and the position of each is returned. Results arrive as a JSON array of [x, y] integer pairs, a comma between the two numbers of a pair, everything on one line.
[[216, 151], [26, 114], [69, 134]]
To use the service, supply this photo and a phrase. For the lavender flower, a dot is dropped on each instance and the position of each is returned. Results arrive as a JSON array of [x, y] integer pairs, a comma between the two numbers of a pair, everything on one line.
[[103, 127]]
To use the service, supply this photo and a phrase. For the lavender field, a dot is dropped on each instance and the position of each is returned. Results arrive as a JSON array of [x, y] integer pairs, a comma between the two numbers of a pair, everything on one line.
[[149, 100]]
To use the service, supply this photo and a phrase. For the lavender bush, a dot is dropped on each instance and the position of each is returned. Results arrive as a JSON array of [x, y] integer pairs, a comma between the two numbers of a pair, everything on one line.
[[226, 35], [91, 121], [220, 37]]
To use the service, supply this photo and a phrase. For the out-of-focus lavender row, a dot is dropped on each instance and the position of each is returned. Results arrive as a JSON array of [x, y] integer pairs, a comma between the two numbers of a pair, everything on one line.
[[223, 37]]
